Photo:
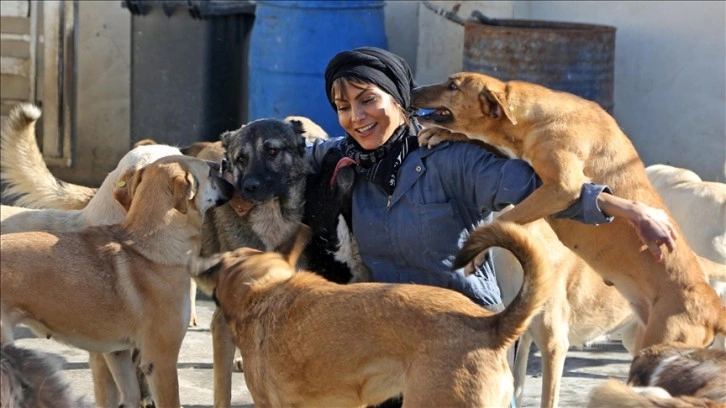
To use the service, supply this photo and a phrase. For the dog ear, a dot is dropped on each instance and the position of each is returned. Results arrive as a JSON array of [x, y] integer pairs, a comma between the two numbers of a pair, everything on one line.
[[293, 247], [185, 188], [127, 184], [299, 129], [494, 104]]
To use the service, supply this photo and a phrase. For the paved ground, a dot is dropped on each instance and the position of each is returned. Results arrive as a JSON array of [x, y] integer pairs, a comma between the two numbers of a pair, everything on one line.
[[583, 370]]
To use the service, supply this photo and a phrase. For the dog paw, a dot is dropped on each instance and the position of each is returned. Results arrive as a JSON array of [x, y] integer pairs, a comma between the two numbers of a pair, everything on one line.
[[238, 364], [147, 403], [193, 321]]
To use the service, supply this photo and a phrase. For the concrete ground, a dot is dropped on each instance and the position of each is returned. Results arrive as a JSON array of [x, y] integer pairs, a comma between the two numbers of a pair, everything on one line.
[[583, 369]]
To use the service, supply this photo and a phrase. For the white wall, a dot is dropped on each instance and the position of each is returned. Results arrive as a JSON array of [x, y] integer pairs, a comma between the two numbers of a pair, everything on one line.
[[670, 69]]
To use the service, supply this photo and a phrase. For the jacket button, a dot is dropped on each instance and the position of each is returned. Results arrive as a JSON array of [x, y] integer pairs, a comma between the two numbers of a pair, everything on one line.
[[418, 169]]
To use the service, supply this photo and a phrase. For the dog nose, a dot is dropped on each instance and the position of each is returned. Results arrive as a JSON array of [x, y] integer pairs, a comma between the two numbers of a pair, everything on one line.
[[251, 184]]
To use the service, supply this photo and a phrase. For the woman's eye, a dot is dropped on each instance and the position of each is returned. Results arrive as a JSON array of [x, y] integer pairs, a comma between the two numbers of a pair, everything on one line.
[[342, 108]]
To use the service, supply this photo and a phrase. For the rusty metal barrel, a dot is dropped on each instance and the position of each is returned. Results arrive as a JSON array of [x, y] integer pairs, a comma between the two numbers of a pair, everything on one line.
[[572, 57]]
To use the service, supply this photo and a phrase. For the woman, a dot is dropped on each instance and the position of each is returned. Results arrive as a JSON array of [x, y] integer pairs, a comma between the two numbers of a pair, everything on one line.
[[410, 205]]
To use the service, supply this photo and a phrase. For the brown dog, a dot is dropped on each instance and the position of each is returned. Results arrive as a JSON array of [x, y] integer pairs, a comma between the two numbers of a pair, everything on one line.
[[308, 342], [111, 289], [570, 141]]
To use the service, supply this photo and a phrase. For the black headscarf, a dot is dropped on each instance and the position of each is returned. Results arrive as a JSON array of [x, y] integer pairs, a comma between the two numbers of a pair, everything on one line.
[[392, 74], [382, 68]]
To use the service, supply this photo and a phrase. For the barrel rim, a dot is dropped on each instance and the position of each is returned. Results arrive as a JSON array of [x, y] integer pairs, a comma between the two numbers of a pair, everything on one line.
[[324, 5], [521, 25]]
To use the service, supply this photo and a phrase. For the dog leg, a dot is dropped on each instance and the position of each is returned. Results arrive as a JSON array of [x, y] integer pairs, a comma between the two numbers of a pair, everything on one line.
[[121, 366], [548, 199], [104, 388], [223, 353], [554, 352], [520, 366], [161, 372], [193, 302]]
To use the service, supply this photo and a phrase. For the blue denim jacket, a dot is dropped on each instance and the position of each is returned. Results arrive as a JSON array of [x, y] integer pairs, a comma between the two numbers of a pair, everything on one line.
[[411, 236]]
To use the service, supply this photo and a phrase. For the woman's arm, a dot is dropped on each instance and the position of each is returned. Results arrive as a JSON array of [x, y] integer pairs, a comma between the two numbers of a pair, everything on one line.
[[652, 225]]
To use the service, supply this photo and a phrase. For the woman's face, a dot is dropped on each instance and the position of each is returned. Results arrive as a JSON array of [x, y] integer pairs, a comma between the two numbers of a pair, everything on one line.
[[366, 112]]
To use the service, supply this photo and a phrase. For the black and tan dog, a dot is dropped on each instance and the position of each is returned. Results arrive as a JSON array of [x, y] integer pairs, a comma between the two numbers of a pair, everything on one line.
[[309, 342], [570, 141], [667, 375], [112, 289]]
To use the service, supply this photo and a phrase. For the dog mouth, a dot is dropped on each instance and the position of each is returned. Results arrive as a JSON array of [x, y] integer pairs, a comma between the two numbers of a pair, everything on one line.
[[436, 115]]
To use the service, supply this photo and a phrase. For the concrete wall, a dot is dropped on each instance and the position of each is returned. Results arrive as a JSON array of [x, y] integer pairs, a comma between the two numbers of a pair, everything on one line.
[[670, 69]]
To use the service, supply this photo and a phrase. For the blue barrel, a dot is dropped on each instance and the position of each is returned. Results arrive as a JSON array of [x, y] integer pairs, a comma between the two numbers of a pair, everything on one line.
[[572, 57], [290, 45]]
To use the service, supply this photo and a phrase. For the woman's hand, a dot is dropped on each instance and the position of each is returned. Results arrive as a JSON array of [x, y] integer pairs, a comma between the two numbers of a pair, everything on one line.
[[652, 225]]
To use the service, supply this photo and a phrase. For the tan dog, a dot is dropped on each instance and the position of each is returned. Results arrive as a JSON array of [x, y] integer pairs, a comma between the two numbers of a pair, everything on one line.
[[570, 141], [308, 342], [59, 206], [581, 310], [131, 277]]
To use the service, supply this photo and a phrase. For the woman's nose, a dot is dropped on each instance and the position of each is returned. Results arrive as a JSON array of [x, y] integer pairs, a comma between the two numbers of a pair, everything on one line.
[[358, 113]]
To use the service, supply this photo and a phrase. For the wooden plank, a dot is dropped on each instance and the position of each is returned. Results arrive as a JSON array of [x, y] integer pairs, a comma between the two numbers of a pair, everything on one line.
[[14, 25], [14, 87], [14, 8], [15, 48], [15, 66]]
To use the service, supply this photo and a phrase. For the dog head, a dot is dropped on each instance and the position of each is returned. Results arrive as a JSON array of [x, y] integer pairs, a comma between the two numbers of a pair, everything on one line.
[[185, 182], [264, 158], [245, 268], [465, 102]]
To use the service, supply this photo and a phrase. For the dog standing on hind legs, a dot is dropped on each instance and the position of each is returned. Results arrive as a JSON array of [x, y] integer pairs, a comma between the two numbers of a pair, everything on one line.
[[570, 141]]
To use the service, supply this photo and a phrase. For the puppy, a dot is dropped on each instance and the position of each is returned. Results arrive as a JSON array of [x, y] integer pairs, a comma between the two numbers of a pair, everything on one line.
[[570, 141], [30, 378], [309, 342], [134, 292]]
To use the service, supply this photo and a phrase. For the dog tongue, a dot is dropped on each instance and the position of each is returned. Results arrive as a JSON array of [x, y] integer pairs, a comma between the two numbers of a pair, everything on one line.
[[241, 206], [343, 162]]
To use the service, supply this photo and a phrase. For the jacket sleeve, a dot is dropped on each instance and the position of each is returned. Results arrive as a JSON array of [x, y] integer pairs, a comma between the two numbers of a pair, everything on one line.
[[500, 182]]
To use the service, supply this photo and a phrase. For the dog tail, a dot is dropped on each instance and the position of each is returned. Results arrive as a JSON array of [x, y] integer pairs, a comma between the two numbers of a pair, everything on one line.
[[27, 178], [613, 393], [537, 284]]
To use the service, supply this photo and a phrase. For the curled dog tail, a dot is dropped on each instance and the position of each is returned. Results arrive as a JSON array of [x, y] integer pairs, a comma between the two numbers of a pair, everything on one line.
[[537, 285], [28, 179]]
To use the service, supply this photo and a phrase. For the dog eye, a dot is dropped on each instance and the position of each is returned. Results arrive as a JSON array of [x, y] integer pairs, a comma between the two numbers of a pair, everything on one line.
[[452, 86], [241, 160], [272, 152]]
